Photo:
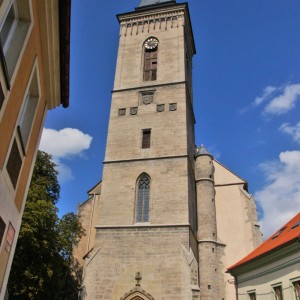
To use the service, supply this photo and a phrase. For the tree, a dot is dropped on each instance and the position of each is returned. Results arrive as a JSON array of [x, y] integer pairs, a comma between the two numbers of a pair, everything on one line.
[[43, 265]]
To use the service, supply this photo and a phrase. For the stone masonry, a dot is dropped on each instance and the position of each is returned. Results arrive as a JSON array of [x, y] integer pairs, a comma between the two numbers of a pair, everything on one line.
[[178, 251]]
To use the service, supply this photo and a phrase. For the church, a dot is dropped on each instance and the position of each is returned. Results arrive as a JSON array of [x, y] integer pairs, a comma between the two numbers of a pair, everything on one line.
[[167, 219]]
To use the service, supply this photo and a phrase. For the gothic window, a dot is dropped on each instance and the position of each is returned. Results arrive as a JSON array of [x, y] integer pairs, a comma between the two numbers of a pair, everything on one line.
[[143, 197], [150, 59]]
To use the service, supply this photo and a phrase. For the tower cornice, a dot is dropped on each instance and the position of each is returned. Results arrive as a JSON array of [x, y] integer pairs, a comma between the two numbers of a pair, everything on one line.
[[169, 16]]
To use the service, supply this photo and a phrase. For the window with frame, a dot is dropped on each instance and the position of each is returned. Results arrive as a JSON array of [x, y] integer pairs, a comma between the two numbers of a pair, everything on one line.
[[150, 65], [296, 285], [143, 198], [28, 112], [278, 292], [252, 296], [13, 32], [146, 139], [1, 96], [26, 120], [2, 229]]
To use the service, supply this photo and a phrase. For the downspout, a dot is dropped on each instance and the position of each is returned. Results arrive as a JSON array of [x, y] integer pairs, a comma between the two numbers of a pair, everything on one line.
[[236, 287]]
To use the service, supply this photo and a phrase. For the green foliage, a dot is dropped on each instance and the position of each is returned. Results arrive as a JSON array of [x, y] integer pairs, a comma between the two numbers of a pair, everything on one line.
[[44, 184], [43, 266]]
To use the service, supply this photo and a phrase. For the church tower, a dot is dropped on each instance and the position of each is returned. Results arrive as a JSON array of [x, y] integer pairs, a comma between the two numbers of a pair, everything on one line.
[[146, 218], [152, 222]]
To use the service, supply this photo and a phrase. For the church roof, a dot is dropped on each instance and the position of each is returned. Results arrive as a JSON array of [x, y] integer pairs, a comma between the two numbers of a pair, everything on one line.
[[154, 2], [288, 233]]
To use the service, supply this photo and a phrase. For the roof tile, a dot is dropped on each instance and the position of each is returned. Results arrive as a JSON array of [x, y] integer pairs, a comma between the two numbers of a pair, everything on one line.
[[284, 235]]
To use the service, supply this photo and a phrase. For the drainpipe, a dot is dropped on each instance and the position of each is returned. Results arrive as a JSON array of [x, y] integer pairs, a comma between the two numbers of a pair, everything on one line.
[[236, 288]]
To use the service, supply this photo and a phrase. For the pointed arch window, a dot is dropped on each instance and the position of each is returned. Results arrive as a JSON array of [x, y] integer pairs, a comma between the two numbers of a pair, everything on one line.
[[150, 59], [143, 198]]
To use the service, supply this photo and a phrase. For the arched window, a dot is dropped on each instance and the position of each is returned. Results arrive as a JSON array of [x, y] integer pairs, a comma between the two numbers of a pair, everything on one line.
[[150, 59], [143, 197]]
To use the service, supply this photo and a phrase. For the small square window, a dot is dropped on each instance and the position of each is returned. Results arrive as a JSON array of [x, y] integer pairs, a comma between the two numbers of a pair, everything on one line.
[[146, 138]]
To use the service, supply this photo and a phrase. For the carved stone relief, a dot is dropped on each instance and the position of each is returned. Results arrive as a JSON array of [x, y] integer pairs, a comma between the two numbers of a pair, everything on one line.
[[122, 112], [173, 106], [160, 107]]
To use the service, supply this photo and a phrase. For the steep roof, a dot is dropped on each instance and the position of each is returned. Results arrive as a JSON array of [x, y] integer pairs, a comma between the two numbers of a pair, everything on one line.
[[286, 234]]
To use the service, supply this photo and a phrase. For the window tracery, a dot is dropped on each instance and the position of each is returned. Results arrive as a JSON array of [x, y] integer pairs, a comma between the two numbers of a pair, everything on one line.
[[143, 198]]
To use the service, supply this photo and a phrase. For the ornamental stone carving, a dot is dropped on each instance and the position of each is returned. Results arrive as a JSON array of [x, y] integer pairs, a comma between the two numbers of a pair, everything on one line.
[[122, 112], [133, 110], [160, 107], [147, 97], [173, 106]]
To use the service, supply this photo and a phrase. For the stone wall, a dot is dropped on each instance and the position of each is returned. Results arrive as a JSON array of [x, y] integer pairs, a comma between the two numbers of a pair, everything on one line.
[[160, 254]]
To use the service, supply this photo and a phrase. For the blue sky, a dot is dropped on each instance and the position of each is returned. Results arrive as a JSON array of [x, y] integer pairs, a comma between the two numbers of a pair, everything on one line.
[[246, 76]]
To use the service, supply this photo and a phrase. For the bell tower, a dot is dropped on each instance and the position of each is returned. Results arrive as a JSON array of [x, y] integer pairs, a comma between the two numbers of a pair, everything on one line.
[[164, 213], [146, 216]]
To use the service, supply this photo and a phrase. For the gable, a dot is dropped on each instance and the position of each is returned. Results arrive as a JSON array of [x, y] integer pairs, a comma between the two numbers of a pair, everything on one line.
[[224, 176]]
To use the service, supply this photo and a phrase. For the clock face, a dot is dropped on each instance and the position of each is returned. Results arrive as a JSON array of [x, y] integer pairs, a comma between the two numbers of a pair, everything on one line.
[[151, 43]]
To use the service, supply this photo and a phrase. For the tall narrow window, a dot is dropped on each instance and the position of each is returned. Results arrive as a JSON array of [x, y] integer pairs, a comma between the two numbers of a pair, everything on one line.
[[296, 285], [2, 229], [278, 292], [146, 140], [13, 31], [28, 111], [150, 59], [143, 197], [25, 124], [9, 26], [14, 164], [1, 96]]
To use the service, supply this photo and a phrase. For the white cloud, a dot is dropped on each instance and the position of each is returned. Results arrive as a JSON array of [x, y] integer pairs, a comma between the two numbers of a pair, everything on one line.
[[62, 144], [284, 102], [280, 197], [266, 96], [268, 91], [293, 131], [65, 142]]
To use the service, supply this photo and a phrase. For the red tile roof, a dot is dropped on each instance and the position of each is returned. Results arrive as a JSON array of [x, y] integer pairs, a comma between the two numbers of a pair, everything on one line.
[[286, 234]]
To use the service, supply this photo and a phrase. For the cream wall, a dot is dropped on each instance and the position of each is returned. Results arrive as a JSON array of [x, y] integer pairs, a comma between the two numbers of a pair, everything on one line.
[[279, 268], [30, 60], [236, 220]]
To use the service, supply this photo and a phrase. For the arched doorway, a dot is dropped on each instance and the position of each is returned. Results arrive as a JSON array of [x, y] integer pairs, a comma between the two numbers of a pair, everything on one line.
[[137, 294]]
